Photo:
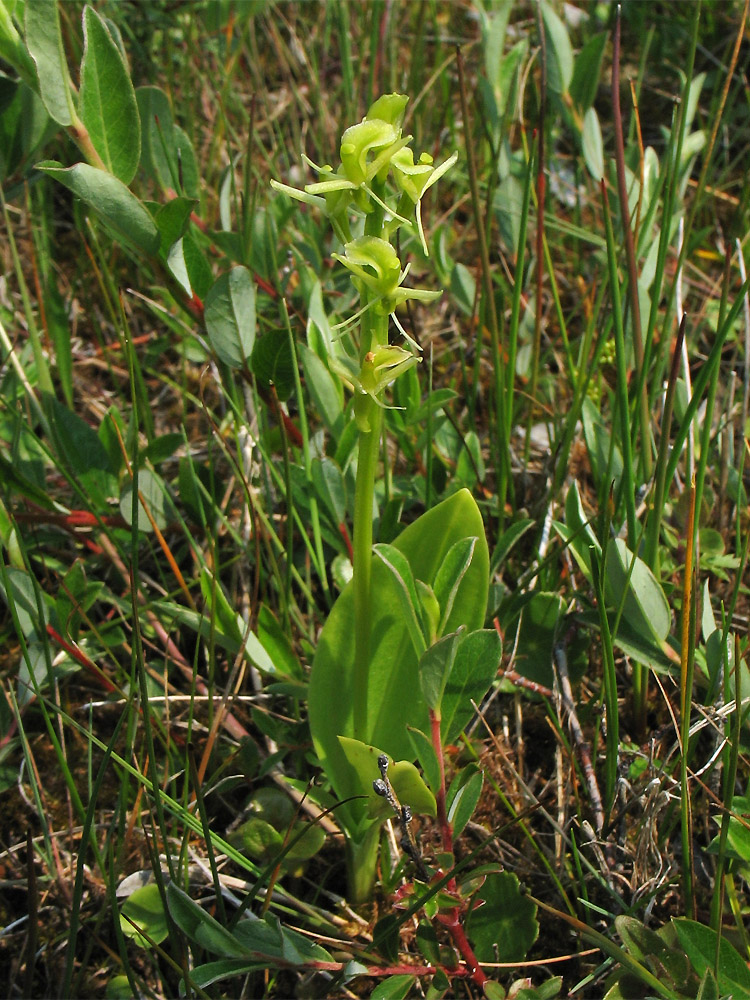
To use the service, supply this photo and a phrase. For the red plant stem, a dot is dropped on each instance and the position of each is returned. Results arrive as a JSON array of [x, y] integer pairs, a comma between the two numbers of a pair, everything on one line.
[[344, 532], [271, 399], [445, 827], [453, 922], [80, 657], [453, 919]]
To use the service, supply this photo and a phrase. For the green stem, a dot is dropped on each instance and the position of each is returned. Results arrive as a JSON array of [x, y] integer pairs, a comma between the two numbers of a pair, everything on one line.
[[367, 465], [361, 861], [374, 330]]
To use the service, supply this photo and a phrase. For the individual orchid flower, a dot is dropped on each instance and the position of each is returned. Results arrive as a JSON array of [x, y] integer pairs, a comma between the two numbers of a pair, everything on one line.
[[378, 133], [366, 151], [415, 178], [379, 368], [377, 268]]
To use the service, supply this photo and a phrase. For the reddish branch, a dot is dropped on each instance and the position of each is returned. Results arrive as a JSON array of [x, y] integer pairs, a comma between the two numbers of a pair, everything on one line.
[[453, 919]]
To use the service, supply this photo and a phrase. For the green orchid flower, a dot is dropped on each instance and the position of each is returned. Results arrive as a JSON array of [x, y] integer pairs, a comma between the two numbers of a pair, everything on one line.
[[377, 268], [379, 369], [366, 152], [415, 178]]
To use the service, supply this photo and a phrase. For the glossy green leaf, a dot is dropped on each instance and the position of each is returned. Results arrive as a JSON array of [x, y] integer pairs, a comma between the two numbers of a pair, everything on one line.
[[60, 332], [494, 991], [277, 644], [269, 938], [449, 577], [230, 317], [709, 988], [507, 205], [424, 752], [199, 273], [272, 362], [258, 839], [511, 536], [118, 208], [505, 927], [153, 494], [118, 988], [321, 337], [494, 27], [178, 268], [580, 535], [537, 633], [330, 488], [385, 937], [428, 942], [405, 779], [700, 944], [187, 165], [559, 51], [437, 400], [435, 666], [18, 587], [200, 927], [213, 972], [163, 447], [463, 288], [398, 565], [593, 148], [220, 624], [545, 991], [430, 609], [12, 48], [325, 391], [145, 908], [394, 988], [599, 444], [463, 796], [108, 107], [587, 71], [82, 454], [9, 537], [265, 843], [630, 584], [24, 125], [158, 153], [650, 948], [45, 45], [75, 598], [33, 673], [393, 697]]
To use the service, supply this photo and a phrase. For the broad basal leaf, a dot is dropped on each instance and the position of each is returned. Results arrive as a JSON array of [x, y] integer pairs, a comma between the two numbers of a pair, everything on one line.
[[394, 697]]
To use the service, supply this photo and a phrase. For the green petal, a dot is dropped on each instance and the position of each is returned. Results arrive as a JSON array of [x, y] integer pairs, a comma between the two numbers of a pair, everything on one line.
[[298, 195], [389, 108]]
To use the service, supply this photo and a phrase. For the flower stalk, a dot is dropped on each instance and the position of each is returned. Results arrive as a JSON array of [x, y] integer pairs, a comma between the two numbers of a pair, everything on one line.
[[376, 190]]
